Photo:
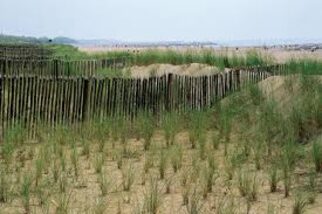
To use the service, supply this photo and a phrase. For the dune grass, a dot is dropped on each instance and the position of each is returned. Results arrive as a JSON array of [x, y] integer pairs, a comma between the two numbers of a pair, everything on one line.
[[198, 158], [168, 56]]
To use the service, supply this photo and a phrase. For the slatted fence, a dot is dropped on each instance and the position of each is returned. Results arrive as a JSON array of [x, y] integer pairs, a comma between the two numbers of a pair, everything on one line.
[[24, 51], [39, 60], [30, 99], [60, 67]]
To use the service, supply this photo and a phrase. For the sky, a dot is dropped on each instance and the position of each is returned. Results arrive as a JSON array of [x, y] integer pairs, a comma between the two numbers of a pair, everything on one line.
[[164, 20]]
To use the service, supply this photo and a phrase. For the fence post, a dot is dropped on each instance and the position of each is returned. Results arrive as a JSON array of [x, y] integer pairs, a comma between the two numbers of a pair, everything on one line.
[[169, 94], [55, 61], [4, 66], [85, 99], [1, 109]]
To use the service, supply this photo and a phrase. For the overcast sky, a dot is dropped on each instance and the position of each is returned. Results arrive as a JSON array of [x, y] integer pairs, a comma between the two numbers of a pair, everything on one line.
[[161, 20]]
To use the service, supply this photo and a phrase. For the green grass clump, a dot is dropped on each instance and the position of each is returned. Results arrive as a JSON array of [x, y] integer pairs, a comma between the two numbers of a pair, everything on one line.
[[254, 58], [39, 165], [127, 177], [197, 128], [99, 162], [248, 185], [63, 202], [300, 203], [26, 191], [104, 183], [4, 187], [195, 203], [12, 139], [163, 162], [273, 177], [317, 156], [170, 125], [75, 161], [304, 66], [289, 157], [146, 126], [176, 157], [208, 178], [152, 197]]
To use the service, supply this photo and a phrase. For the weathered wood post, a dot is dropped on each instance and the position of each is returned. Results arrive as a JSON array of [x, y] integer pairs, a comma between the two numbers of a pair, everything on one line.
[[1, 107], [85, 98], [238, 79], [169, 92], [55, 62]]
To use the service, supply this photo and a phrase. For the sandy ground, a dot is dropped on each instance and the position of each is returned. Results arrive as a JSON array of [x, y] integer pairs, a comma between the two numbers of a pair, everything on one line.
[[282, 55], [85, 192], [194, 69]]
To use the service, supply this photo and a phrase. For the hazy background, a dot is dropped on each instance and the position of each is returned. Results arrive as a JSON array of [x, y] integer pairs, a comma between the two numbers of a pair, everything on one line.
[[161, 20]]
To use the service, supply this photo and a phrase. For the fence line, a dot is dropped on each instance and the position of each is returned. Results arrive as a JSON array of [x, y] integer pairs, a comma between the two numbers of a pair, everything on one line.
[[24, 51], [29, 100], [59, 67], [63, 67]]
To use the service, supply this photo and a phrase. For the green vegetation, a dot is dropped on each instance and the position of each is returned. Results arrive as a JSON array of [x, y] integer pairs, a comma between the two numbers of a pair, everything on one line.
[[306, 66], [252, 148], [67, 52], [8, 39], [152, 56]]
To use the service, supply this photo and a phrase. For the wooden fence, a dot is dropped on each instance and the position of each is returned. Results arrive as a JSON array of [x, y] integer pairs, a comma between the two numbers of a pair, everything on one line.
[[24, 51], [59, 67], [29, 100]]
